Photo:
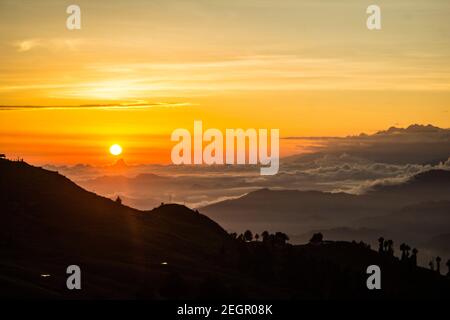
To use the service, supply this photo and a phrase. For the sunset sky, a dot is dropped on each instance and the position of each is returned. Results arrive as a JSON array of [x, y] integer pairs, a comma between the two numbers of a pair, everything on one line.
[[137, 70]]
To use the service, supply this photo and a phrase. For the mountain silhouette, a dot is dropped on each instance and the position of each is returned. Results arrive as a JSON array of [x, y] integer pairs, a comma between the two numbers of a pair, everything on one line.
[[298, 212], [422, 219], [415, 210], [170, 252], [433, 182], [413, 129]]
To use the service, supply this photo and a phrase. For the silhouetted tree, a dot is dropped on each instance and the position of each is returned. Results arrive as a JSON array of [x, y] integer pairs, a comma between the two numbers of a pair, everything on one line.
[[281, 238], [407, 248], [317, 238], [414, 257], [386, 245], [233, 235], [241, 237], [248, 235], [256, 237], [431, 265], [403, 250], [381, 245], [448, 266], [271, 239], [265, 236], [438, 264], [118, 200], [364, 245], [390, 247]]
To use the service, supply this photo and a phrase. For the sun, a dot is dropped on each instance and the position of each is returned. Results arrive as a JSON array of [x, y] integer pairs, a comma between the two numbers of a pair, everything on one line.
[[115, 149]]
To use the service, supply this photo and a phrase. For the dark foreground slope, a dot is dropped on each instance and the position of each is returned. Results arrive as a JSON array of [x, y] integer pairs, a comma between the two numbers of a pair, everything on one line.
[[49, 223]]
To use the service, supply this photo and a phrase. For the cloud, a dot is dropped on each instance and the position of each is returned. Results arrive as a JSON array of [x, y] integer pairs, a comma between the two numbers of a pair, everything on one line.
[[277, 72], [417, 144], [26, 45], [199, 185], [110, 106], [403, 176], [330, 170]]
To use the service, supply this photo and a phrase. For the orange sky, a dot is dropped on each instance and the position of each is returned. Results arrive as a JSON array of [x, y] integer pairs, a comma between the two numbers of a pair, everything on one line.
[[137, 71]]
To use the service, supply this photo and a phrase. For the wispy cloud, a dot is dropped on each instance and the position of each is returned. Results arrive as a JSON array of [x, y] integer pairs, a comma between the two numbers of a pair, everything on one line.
[[112, 106], [26, 45]]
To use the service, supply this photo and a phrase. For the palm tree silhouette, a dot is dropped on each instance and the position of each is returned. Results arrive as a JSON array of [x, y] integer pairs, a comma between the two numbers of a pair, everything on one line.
[[390, 247], [381, 244], [407, 248], [265, 236], [448, 266], [414, 257], [438, 264], [403, 250]]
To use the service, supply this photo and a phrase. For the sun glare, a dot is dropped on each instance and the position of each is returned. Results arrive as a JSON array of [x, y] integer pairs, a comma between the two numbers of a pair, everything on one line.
[[115, 149]]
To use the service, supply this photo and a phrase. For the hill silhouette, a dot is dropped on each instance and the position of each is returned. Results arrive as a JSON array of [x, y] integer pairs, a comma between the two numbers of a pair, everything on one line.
[[299, 212], [428, 185], [48, 223]]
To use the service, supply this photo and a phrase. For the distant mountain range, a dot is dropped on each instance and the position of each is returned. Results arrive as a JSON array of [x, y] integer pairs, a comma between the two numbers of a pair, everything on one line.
[[319, 209], [170, 252], [417, 209], [415, 129], [332, 164]]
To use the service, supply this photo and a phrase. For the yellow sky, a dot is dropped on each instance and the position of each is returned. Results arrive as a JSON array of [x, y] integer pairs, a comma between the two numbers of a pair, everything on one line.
[[137, 70]]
